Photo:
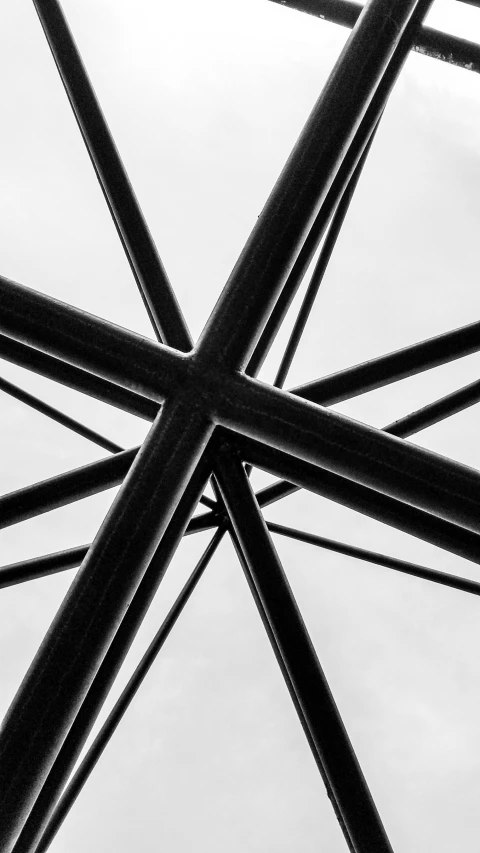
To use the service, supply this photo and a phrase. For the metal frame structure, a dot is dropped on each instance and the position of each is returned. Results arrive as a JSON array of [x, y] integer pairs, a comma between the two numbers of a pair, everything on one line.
[[210, 416]]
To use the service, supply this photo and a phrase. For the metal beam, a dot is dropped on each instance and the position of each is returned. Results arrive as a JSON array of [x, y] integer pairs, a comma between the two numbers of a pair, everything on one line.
[[340, 764], [38, 834], [58, 416], [451, 537], [428, 41], [149, 272], [416, 571], [52, 692]]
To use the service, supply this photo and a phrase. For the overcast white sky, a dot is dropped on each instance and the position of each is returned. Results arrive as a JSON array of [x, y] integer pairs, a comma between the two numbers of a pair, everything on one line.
[[205, 100]]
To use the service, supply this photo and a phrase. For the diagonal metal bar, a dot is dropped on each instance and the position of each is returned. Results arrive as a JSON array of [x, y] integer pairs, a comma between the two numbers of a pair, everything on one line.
[[88, 342], [58, 416], [324, 722], [413, 423], [434, 413], [422, 572], [268, 256], [392, 367], [344, 174], [154, 286], [312, 242], [64, 488], [289, 683], [77, 379], [320, 268], [112, 662], [52, 692], [341, 445], [428, 41], [75, 485], [32, 838], [452, 537], [40, 567]]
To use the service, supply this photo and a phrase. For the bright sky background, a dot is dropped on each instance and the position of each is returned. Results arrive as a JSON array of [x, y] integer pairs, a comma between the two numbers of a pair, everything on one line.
[[205, 100]]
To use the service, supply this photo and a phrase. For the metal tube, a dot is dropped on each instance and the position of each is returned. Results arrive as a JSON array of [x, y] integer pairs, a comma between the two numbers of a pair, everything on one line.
[[395, 513], [409, 425], [320, 269], [289, 683], [40, 567], [324, 722], [444, 578], [396, 365], [88, 342], [31, 839], [64, 488], [58, 416], [153, 284], [356, 451], [270, 252], [68, 659], [80, 380], [119, 647], [428, 41]]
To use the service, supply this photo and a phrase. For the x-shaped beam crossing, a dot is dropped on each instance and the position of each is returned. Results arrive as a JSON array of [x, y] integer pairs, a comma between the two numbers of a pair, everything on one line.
[[210, 416]]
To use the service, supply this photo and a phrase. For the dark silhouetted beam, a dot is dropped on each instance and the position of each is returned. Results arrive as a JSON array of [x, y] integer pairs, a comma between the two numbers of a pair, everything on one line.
[[53, 690], [428, 41], [392, 367], [108, 671], [320, 269], [443, 578], [58, 416], [267, 258], [451, 537], [409, 425], [115, 716], [40, 567], [358, 452], [340, 764], [88, 342], [137, 241], [64, 488], [77, 379]]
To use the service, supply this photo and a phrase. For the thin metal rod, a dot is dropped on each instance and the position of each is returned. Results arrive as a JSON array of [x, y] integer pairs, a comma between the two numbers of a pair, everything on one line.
[[434, 413], [61, 490], [61, 561], [312, 242], [324, 722], [451, 537], [261, 271], [52, 692], [118, 711], [40, 567], [290, 686], [58, 416], [113, 660], [320, 269], [428, 41], [422, 572], [154, 287], [74, 377], [396, 365]]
